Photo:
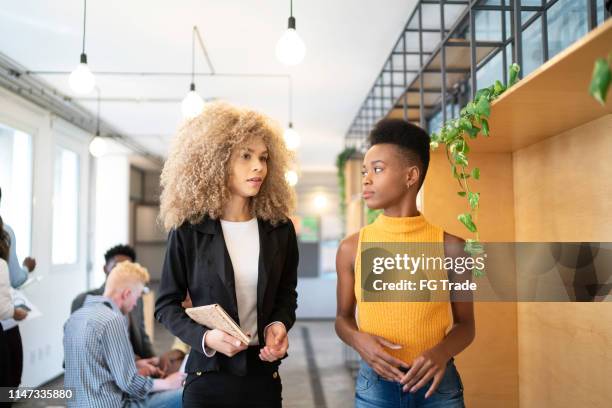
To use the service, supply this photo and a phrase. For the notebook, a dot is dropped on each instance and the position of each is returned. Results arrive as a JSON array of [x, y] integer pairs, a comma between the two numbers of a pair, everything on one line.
[[215, 317]]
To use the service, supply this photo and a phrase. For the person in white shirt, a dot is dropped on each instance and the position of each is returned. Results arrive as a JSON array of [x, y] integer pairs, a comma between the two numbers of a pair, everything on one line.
[[11, 353], [227, 203]]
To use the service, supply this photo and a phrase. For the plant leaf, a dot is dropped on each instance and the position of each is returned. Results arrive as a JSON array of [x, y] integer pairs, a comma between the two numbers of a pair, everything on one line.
[[473, 132], [514, 71], [481, 92], [485, 127], [466, 219], [473, 247], [455, 174], [600, 81], [499, 87], [476, 173], [473, 199], [478, 273], [461, 193], [483, 107], [460, 159], [470, 108]]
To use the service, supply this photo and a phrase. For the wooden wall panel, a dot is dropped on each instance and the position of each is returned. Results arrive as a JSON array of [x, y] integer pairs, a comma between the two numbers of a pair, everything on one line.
[[563, 186], [565, 354], [441, 204], [489, 367], [563, 192]]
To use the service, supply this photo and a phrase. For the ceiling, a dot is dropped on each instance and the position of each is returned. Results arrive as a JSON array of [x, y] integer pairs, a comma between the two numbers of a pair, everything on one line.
[[347, 43]]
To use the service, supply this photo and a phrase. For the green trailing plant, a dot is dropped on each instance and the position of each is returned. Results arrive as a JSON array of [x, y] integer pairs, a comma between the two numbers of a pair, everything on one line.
[[341, 160], [601, 79], [455, 134]]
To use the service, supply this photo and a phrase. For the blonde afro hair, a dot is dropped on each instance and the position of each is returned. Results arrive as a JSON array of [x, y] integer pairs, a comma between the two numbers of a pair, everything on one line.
[[126, 274], [195, 177]]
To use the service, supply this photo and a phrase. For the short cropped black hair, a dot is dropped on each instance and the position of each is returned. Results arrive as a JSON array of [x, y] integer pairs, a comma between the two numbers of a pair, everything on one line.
[[412, 141], [124, 250]]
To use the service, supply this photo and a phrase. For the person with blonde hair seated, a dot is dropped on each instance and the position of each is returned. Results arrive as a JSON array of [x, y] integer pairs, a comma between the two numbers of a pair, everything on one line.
[[100, 365]]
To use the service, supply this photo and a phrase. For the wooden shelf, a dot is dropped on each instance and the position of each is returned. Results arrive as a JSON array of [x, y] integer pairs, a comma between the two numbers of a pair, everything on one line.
[[552, 99], [457, 57], [457, 54]]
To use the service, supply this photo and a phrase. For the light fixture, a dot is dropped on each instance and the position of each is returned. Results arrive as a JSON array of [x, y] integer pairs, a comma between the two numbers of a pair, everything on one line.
[[292, 137], [292, 177], [81, 80], [290, 49], [193, 103], [98, 147], [320, 201]]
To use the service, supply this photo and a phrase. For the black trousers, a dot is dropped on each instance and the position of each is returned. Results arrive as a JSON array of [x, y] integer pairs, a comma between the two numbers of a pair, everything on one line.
[[11, 359], [260, 388]]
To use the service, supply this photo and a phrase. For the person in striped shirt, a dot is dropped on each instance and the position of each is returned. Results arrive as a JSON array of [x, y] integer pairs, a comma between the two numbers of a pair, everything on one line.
[[100, 362]]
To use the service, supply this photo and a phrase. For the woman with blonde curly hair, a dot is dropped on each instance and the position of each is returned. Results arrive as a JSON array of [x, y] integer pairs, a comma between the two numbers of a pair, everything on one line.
[[226, 204]]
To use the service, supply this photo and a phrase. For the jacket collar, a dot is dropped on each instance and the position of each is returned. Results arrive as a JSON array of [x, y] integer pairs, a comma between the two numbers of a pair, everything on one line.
[[213, 226], [268, 251]]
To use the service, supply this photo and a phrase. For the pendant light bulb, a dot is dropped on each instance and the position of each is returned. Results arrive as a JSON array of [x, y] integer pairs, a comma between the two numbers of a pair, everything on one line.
[[192, 104], [290, 49], [98, 147], [292, 138], [292, 177], [81, 80]]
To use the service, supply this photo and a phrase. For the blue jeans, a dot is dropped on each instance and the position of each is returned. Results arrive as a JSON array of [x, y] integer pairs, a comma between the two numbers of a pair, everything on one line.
[[373, 391], [162, 399]]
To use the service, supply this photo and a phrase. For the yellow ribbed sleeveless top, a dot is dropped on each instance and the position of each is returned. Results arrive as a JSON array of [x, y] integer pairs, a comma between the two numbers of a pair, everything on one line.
[[417, 326]]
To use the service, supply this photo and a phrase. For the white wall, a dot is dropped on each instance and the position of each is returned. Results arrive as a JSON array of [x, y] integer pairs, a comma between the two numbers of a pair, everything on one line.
[[112, 198], [42, 337]]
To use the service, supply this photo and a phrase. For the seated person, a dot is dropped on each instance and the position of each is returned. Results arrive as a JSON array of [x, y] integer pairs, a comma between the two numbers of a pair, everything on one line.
[[146, 362], [100, 361]]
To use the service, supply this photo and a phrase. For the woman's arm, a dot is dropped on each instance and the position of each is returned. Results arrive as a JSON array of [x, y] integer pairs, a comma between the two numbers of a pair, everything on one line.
[[370, 347], [286, 295], [172, 291], [17, 273], [170, 312], [285, 304]]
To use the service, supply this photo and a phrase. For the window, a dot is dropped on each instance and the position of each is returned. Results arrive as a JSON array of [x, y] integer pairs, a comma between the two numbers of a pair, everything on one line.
[[488, 25], [490, 72], [567, 21], [65, 207], [16, 184], [600, 11], [533, 55]]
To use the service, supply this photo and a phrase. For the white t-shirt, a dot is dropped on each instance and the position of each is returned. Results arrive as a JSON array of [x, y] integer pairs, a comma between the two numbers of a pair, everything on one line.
[[242, 241], [6, 299]]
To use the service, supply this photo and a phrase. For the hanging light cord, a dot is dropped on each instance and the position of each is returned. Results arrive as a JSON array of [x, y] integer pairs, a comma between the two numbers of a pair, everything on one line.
[[291, 8], [195, 33], [193, 55], [290, 101], [98, 115], [84, 21]]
